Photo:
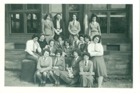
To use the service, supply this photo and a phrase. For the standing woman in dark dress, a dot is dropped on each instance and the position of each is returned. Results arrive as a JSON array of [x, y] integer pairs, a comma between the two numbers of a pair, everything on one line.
[[81, 42], [42, 42], [58, 25], [95, 49], [47, 27]]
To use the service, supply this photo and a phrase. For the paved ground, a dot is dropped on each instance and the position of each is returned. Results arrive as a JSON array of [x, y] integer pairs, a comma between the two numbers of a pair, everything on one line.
[[13, 66], [12, 78]]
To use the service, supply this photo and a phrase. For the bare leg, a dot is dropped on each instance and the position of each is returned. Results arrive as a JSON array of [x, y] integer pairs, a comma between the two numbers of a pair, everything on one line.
[[52, 75], [44, 77], [39, 76], [100, 81]]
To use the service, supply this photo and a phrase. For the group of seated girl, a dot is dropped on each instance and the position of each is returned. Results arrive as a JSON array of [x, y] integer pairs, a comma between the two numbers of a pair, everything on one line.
[[76, 62]]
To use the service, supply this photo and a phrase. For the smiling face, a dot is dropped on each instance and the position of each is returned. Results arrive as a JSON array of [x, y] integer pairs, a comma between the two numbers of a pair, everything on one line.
[[42, 37], [86, 57], [51, 43], [75, 54], [81, 38], [96, 39], [35, 39], [94, 19], [58, 16], [74, 17], [48, 17], [59, 38], [46, 54], [58, 54]]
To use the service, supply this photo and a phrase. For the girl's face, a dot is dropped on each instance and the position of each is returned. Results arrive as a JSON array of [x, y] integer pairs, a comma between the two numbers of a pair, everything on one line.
[[75, 38], [66, 43], [46, 54], [86, 40], [74, 17], [81, 38], [58, 55], [58, 16], [59, 39], [48, 17], [94, 19], [96, 40], [42, 37], [75, 54], [35, 39], [86, 57], [52, 43]]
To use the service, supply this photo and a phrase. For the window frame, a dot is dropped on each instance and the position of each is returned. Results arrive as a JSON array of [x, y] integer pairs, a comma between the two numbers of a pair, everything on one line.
[[23, 11], [108, 11]]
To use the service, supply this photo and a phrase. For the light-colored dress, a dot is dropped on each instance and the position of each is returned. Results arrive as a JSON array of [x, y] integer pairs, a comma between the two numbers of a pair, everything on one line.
[[44, 64], [48, 29], [74, 29], [96, 52], [60, 63], [94, 29]]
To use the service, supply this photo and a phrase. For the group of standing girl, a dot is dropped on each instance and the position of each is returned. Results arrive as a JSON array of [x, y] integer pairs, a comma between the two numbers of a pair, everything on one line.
[[77, 60]]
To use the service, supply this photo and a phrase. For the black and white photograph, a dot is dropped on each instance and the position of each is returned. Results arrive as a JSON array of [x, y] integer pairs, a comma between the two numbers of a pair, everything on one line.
[[69, 45]]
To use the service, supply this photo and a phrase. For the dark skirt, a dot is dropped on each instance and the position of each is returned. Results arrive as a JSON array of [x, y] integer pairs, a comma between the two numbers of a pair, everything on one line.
[[99, 66]]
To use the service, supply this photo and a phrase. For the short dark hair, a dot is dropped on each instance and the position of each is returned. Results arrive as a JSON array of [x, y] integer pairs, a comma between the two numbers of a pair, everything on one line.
[[41, 35], [45, 17], [51, 40], [85, 53], [60, 37], [58, 51], [99, 36], [34, 36], [88, 37], [68, 41], [45, 51], [93, 15], [77, 51], [81, 35]]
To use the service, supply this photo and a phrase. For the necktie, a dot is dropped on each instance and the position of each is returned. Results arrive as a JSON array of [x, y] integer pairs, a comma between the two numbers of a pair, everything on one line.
[[85, 63]]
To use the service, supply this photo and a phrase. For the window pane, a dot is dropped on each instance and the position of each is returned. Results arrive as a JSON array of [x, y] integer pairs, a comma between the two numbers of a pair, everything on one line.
[[118, 22], [74, 7], [17, 23], [16, 6], [98, 7], [102, 20], [118, 6], [33, 20], [33, 6]]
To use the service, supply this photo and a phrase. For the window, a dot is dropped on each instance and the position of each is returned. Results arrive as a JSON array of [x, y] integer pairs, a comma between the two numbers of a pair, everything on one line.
[[74, 9], [112, 18], [24, 18]]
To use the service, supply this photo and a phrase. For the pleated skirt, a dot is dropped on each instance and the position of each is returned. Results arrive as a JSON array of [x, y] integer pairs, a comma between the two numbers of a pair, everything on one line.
[[99, 66]]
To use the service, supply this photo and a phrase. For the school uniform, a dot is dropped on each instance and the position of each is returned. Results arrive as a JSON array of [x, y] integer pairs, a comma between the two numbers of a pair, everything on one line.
[[75, 67], [74, 29], [86, 79]]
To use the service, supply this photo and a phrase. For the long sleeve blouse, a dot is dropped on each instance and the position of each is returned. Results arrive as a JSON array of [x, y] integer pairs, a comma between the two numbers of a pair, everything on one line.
[[95, 49]]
